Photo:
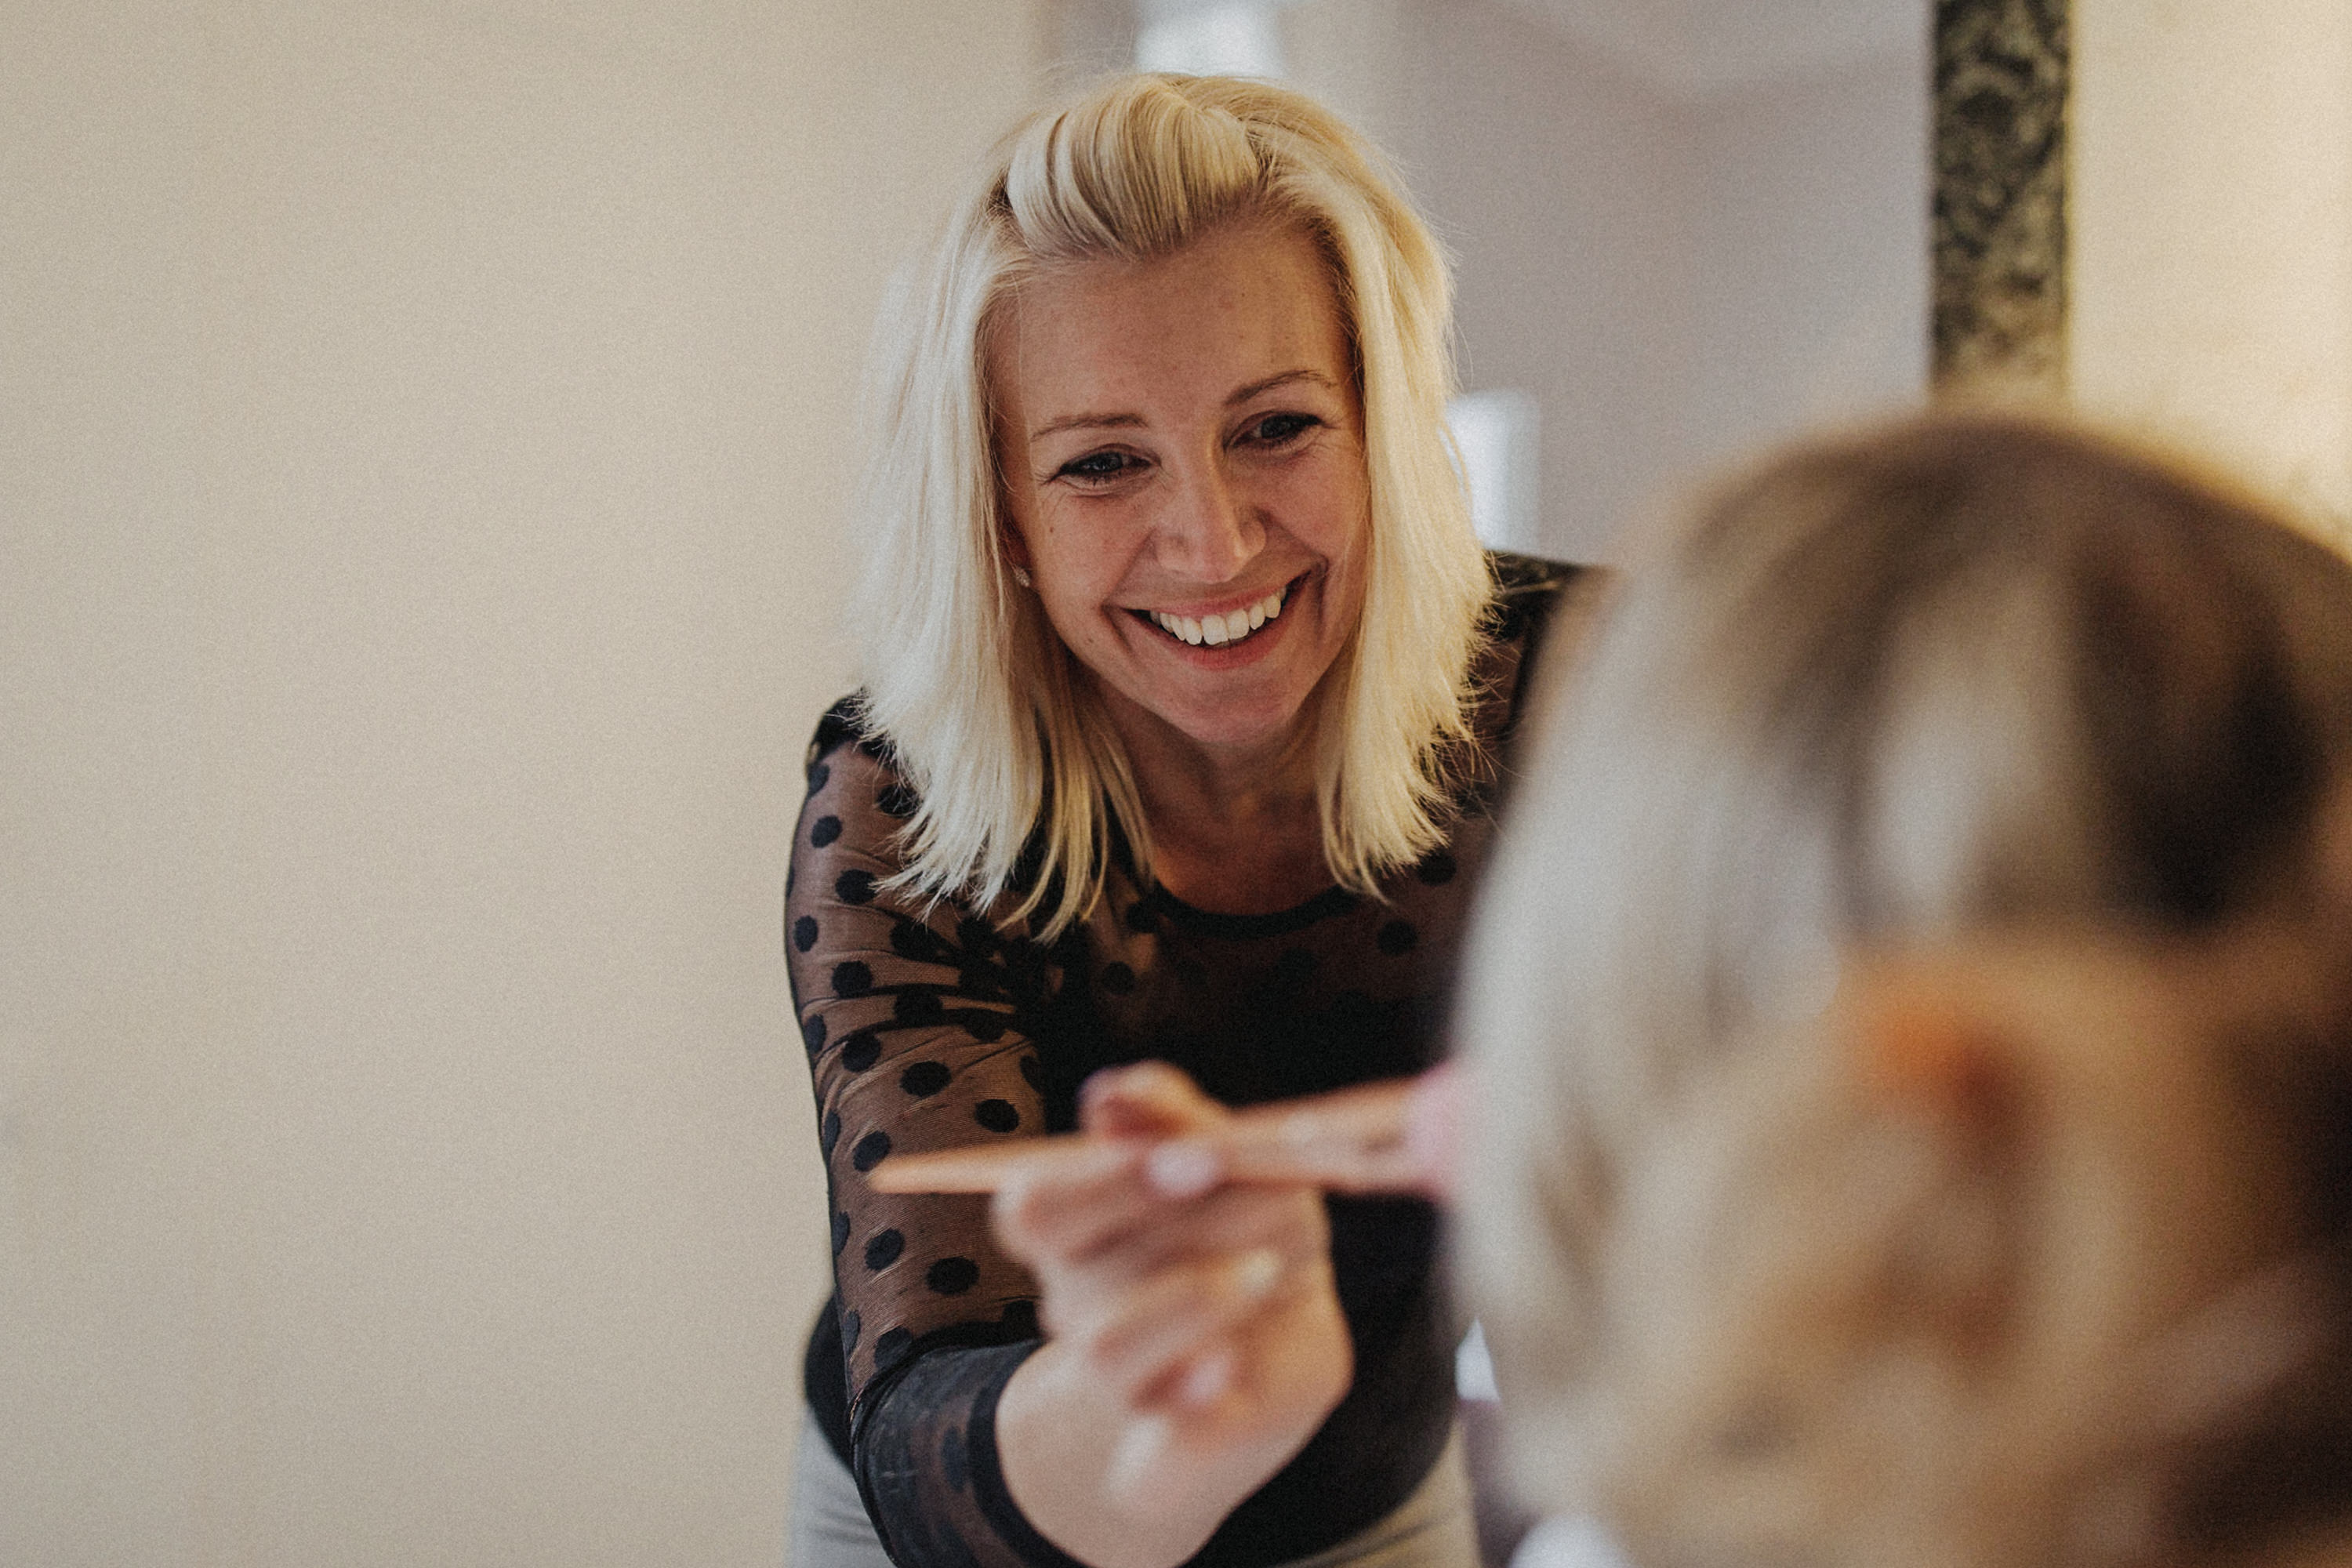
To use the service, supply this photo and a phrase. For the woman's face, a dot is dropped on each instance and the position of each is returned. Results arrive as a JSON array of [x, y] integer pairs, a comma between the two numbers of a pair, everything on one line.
[[1182, 449]]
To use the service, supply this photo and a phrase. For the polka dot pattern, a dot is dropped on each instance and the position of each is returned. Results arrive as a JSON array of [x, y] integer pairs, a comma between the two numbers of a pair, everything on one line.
[[951, 1275], [923, 1080]]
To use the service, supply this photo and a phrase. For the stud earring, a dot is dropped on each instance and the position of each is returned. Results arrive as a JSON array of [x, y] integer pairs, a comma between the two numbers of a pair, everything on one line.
[[1021, 575]]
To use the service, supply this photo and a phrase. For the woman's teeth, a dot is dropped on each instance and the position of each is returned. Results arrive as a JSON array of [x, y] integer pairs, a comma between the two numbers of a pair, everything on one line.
[[1215, 631]]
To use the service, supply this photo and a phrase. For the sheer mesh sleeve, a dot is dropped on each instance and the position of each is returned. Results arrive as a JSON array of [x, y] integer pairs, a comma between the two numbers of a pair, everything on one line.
[[914, 1024]]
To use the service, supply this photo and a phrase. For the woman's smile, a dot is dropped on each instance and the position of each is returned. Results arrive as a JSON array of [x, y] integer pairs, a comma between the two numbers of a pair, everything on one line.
[[1229, 626]]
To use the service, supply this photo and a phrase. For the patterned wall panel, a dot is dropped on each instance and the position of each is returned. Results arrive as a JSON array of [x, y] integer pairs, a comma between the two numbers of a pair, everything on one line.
[[2000, 89]]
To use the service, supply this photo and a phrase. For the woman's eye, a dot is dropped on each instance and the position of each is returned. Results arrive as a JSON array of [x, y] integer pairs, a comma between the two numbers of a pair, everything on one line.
[[1275, 429], [1096, 466]]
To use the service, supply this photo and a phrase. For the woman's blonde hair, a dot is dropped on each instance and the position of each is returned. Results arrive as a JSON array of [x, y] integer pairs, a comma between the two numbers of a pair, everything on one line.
[[1019, 776], [1966, 674]]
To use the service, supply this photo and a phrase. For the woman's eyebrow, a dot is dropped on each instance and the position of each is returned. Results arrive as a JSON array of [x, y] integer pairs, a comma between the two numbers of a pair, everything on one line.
[[1132, 421], [1245, 393], [1086, 422]]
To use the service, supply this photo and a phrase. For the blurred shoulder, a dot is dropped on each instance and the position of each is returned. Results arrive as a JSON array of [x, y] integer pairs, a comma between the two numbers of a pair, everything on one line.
[[1527, 588], [1532, 598]]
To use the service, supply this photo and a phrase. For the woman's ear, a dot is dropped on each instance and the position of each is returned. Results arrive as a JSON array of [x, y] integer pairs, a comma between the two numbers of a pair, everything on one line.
[[1943, 1035], [2092, 1089], [1975, 1031], [1011, 546]]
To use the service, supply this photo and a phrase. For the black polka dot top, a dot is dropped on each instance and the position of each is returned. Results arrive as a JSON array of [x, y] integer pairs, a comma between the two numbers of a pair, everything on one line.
[[929, 1029]]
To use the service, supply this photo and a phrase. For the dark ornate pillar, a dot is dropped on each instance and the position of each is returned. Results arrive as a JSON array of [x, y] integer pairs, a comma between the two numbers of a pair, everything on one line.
[[2001, 89]]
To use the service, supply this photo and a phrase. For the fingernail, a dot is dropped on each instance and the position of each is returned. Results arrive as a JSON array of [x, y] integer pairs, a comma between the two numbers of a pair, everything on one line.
[[1184, 1170], [1255, 1271]]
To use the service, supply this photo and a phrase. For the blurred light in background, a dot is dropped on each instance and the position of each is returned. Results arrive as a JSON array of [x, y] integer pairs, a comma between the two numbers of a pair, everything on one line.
[[1495, 436], [1239, 39]]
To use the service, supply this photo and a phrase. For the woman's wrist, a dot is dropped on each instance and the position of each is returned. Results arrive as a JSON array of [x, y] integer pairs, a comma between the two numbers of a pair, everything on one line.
[[1061, 1438]]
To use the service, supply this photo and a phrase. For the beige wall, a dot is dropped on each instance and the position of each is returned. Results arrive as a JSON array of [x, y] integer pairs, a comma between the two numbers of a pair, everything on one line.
[[423, 436], [2212, 233]]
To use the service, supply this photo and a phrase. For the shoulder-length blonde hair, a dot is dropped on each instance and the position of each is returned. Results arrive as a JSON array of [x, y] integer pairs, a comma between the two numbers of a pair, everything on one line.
[[1964, 675], [1019, 775]]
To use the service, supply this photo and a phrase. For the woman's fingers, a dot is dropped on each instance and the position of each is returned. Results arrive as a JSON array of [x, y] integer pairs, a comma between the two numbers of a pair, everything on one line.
[[1160, 1233], [1281, 1365], [1043, 1216], [1066, 1210], [1148, 1099], [1085, 1295], [1152, 1348], [1110, 1215]]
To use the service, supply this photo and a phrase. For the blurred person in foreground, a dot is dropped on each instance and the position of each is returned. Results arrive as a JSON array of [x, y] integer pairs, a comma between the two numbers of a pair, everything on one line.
[[1912, 1059], [1186, 686]]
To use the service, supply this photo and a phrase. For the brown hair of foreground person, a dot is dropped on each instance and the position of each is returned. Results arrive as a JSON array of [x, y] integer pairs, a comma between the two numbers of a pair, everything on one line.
[[2031, 1250]]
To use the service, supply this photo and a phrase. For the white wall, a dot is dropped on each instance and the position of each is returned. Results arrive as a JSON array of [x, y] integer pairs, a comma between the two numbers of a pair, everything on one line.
[[423, 434], [2211, 227], [1680, 259], [1809, 248]]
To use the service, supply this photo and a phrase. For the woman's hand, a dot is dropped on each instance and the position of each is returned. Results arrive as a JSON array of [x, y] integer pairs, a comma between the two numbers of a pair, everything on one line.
[[1195, 1340]]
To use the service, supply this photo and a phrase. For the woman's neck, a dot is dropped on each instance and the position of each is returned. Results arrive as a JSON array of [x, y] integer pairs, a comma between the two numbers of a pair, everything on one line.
[[1233, 828]]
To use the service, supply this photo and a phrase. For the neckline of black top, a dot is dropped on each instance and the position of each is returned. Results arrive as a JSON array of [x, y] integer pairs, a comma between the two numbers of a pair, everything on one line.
[[1331, 900], [1156, 903]]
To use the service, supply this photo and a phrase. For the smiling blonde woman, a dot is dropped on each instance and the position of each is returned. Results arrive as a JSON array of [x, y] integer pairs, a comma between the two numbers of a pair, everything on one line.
[[966, 675], [1186, 689]]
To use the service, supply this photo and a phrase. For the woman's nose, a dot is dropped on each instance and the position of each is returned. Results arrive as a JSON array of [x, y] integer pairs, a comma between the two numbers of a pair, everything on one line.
[[1212, 531]]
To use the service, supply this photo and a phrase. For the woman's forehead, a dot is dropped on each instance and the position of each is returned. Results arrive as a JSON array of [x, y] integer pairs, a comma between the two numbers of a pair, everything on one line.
[[1241, 304]]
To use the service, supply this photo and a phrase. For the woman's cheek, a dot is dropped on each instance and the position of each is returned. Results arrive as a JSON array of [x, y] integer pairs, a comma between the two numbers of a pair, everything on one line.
[[1333, 499]]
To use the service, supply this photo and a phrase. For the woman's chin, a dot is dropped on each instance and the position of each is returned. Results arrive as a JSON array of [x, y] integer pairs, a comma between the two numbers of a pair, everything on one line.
[[1237, 698], [1234, 723]]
